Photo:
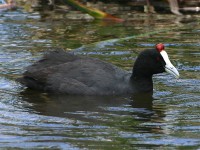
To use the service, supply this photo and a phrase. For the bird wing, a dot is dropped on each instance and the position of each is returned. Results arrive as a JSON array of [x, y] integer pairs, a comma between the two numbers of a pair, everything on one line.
[[68, 73]]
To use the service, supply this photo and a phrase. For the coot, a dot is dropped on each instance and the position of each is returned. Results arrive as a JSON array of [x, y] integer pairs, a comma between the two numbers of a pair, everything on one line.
[[62, 72]]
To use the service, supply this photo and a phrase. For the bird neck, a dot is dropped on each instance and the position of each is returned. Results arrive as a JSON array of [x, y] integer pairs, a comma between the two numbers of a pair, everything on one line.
[[141, 84]]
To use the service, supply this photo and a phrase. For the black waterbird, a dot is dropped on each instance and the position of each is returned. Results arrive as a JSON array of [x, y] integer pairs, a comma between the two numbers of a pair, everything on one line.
[[62, 72]]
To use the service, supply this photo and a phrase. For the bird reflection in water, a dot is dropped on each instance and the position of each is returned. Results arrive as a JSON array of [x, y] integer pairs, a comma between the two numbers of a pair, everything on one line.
[[76, 106]]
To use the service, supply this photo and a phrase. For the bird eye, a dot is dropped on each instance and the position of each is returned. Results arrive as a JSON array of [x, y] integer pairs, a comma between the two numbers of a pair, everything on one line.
[[158, 58]]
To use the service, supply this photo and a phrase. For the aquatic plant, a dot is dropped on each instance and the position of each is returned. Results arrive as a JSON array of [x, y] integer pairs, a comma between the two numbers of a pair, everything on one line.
[[97, 14]]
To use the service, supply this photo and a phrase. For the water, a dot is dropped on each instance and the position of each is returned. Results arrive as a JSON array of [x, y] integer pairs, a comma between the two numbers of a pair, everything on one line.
[[35, 120]]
